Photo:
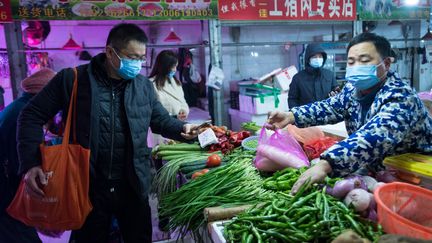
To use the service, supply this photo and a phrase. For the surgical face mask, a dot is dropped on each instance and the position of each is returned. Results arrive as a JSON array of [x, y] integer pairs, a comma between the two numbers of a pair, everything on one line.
[[129, 68], [316, 62], [171, 74], [363, 77]]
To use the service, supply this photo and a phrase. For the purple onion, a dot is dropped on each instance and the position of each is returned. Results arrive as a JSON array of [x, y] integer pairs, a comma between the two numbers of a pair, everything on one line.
[[329, 190], [343, 187], [372, 204], [373, 216]]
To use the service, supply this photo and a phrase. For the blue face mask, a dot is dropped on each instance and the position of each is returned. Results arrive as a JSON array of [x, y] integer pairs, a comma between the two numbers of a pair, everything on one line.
[[171, 74], [129, 68], [363, 77], [316, 62]]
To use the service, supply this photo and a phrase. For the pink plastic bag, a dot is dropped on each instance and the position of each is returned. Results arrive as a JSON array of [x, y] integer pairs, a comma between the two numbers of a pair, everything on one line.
[[278, 151]]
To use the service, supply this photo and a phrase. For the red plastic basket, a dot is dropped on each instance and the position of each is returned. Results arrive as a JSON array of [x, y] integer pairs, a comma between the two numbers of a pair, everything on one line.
[[405, 209]]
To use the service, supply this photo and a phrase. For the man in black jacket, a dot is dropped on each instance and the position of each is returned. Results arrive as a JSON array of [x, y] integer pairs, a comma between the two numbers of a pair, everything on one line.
[[314, 83], [115, 107]]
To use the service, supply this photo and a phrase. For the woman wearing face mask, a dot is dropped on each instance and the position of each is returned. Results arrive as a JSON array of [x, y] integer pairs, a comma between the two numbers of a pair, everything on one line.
[[314, 83], [168, 87], [383, 115]]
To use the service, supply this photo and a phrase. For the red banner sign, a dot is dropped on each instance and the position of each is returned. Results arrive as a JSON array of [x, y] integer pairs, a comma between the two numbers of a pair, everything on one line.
[[5, 11], [287, 10]]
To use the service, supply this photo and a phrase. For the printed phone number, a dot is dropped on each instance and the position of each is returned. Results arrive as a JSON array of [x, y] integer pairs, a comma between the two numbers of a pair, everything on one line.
[[161, 13]]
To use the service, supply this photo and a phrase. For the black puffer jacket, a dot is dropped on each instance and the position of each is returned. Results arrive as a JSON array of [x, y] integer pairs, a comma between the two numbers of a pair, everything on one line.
[[141, 107], [114, 138], [311, 84]]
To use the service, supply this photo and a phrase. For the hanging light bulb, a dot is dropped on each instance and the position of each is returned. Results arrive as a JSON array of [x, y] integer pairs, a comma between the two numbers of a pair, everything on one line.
[[71, 44], [172, 37]]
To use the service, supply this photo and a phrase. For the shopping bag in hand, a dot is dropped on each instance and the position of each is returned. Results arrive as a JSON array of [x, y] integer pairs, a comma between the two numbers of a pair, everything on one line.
[[66, 203]]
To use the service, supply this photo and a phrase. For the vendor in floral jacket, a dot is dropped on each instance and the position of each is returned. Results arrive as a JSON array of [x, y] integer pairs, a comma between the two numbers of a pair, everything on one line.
[[383, 114]]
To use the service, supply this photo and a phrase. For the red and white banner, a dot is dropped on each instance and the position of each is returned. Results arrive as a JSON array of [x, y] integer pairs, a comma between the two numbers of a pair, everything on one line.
[[343, 10]]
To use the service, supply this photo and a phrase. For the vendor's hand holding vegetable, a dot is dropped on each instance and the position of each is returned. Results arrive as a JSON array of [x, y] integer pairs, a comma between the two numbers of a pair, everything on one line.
[[279, 119], [316, 173]]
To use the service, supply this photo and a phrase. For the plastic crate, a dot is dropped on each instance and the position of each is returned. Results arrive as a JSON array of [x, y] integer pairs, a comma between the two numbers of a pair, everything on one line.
[[412, 168], [404, 209]]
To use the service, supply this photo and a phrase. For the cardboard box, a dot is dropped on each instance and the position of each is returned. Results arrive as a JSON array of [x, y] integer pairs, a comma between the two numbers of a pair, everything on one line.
[[284, 77]]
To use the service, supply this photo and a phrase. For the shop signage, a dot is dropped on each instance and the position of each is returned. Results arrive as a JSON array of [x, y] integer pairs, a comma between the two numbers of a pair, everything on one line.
[[395, 9], [287, 10], [114, 9], [5, 11]]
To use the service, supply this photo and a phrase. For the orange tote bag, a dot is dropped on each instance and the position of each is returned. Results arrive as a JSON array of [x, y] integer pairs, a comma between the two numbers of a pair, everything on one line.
[[66, 203]]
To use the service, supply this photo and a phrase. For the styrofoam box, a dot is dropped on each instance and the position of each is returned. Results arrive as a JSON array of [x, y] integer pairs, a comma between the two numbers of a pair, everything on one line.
[[253, 105], [284, 77]]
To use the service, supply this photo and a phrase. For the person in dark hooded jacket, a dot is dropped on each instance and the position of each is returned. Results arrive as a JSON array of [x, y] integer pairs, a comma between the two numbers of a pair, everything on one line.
[[314, 83], [12, 230]]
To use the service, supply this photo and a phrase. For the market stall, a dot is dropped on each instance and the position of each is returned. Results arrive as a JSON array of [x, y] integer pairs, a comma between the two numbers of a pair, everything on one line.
[[238, 197], [233, 186]]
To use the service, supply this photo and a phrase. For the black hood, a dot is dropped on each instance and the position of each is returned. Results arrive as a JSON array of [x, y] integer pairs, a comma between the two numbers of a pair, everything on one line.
[[311, 50]]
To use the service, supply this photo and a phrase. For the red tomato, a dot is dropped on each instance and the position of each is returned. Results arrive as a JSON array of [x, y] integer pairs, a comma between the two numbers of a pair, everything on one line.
[[213, 160]]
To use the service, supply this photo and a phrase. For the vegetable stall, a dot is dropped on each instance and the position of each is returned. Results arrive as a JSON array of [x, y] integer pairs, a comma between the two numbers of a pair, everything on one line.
[[245, 182]]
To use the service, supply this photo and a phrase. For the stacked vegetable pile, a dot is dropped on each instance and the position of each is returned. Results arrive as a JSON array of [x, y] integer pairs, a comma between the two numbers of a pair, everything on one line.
[[310, 215], [236, 183], [227, 140], [193, 169], [177, 155], [356, 191]]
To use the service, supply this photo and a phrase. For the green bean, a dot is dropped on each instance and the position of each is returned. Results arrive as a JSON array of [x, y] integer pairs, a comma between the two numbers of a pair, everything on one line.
[[326, 207], [275, 207], [276, 224], [277, 235], [257, 218], [249, 239], [301, 202], [355, 225], [257, 235], [244, 237]]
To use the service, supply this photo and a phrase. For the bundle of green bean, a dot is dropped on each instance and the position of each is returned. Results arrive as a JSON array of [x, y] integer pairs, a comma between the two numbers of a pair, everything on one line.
[[236, 183], [176, 154], [301, 218]]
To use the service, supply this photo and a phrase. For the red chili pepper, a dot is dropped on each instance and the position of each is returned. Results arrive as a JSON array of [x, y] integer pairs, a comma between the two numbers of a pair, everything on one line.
[[233, 138], [245, 134], [222, 139]]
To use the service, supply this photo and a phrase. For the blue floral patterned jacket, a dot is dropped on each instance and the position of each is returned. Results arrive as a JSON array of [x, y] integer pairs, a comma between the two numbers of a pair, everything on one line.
[[397, 122]]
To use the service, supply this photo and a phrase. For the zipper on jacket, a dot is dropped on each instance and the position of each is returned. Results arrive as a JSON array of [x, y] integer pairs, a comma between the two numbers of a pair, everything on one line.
[[112, 131]]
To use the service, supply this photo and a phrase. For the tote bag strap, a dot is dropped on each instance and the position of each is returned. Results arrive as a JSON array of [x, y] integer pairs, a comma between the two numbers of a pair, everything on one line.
[[71, 110]]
